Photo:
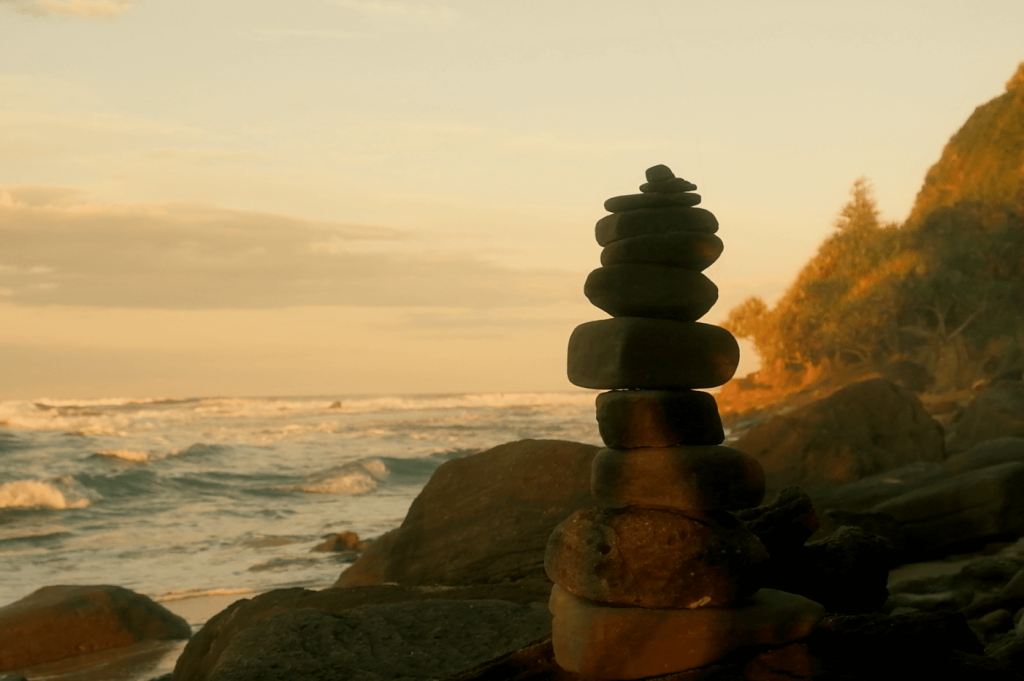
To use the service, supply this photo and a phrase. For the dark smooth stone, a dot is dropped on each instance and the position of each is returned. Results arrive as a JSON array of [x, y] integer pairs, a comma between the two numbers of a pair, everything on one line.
[[676, 184], [690, 250], [617, 204], [658, 418], [659, 173], [654, 558], [654, 354], [651, 291], [681, 478], [654, 221]]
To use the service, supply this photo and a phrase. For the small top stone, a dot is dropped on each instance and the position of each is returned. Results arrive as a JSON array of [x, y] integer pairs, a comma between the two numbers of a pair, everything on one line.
[[659, 173], [661, 180]]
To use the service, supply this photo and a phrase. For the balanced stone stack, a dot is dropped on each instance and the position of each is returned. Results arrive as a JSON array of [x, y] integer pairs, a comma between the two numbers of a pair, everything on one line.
[[661, 577]]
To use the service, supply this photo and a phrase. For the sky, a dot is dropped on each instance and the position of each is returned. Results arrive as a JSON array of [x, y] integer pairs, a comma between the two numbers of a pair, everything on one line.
[[342, 197]]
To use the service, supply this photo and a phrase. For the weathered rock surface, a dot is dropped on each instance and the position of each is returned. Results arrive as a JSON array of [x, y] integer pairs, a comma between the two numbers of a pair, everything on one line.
[[56, 622], [864, 429], [202, 656], [842, 648], [658, 418], [681, 478], [691, 250], [644, 290], [996, 412], [629, 202], [654, 354], [655, 559], [423, 640], [601, 642], [654, 221], [785, 524], [482, 518]]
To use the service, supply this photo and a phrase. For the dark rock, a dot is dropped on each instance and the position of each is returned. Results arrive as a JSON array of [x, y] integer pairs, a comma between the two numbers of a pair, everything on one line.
[[1009, 650], [987, 453], [56, 622], [995, 622], [784, 525], [1014, 589], [943, 601], [997, 411], [344, 541], [619, 204], [482, 518], [866, 493], [910, 375], [637, 556], [882, 524], [980, 503], [658, 418], [846, 572], [654, 221], [654, 354], [681, 478], [203, 653], [423, 640], [651, 291], [673, 185], [660, 173], [690, 250], [863, 429], [12, 677]]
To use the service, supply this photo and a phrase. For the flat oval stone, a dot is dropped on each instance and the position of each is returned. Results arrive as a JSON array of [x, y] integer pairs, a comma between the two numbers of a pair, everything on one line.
[[658, 418], [682, 478], [675, 184], [651, 291], [654, 221], [618, 204], [690, 250], [653, 558], [653, 354]]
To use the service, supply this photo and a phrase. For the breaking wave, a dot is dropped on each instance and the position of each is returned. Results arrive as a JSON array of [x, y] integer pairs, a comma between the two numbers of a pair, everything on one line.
[[62, 493]]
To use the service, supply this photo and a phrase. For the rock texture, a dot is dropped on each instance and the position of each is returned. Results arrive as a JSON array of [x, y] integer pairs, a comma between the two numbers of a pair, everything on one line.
[[482, 518], [658, 418], [996, 412], [864, 429], [56, 622]]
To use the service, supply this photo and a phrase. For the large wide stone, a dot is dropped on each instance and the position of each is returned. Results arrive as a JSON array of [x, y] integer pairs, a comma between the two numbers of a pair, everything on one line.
[[56, 622], [658, 418], [864, 429], [692, 250], [651, 291], [683, 478], [655, 559], [482, 518], [654, 221], [617, 204], [601, 642], [633, 352]]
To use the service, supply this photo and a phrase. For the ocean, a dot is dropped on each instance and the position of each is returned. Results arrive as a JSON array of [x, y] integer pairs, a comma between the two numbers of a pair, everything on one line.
[[180, 498]]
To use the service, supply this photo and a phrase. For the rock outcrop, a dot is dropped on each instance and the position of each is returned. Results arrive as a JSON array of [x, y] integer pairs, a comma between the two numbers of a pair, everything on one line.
[[996, 412], [56, 622]]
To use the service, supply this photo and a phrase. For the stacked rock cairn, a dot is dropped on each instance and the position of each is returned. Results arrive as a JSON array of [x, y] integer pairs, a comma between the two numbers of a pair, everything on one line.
[[661, 577]]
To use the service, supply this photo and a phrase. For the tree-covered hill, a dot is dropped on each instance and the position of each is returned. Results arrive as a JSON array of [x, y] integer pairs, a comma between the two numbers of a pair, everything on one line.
[[942, 293]]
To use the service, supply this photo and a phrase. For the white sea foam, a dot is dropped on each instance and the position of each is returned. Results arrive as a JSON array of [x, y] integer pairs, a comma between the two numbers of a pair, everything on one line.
[[62, 493], [361, 477], [126, 454], [182, 594]]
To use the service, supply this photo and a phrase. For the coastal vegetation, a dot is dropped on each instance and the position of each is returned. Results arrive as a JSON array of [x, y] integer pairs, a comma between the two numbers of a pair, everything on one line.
[[940, 293]]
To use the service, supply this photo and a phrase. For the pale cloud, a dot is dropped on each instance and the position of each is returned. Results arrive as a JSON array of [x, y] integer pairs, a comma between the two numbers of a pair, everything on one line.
[[77, 8], [62, 250], [401, 11]]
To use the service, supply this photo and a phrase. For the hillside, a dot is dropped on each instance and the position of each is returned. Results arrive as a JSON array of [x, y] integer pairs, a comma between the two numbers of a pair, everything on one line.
[[936, 302]]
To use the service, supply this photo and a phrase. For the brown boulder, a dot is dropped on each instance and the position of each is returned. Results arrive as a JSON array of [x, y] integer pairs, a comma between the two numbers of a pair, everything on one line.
[[691, 250], [655, 559], [865, 428], [56, 622], [482, 518], [996, 412], [654, 221]]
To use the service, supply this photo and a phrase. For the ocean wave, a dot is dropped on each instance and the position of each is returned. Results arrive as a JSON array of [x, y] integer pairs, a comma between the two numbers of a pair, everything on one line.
[[126, 454], [182, 594], [360, 477], [62, 493], [463, 401]]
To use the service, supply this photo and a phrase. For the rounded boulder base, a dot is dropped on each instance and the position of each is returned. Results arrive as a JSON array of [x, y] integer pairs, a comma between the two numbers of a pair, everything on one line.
[[658, 418], [651, 291], [690, 250], [655, 354], [653, 558], [654, 221], [618, 204], [600, 642], [682, 478]]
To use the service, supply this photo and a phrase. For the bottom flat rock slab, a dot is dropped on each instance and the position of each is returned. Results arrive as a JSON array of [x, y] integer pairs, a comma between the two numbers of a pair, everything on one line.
[[603, 642]]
